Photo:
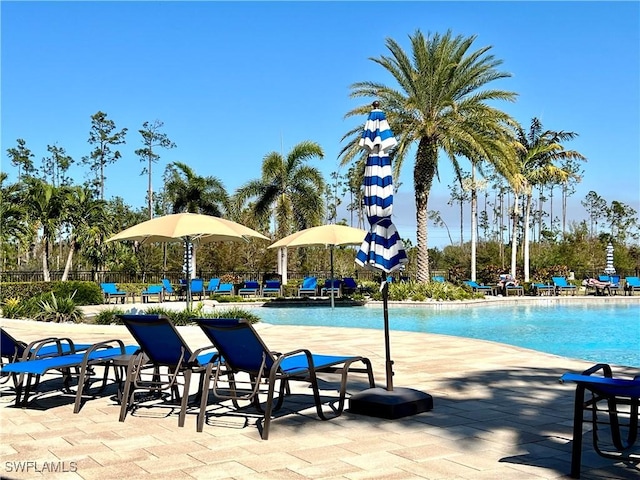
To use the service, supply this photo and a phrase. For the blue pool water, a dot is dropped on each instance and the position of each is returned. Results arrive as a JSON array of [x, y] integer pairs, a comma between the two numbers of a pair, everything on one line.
[[600, 333]]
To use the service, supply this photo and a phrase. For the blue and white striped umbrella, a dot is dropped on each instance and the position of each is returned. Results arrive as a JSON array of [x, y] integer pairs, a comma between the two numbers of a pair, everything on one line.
[[609, 269], [382, 247]]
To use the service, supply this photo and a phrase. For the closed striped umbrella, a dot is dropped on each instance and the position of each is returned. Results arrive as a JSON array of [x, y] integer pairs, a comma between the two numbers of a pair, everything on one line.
[[609, 269], [382, 248]]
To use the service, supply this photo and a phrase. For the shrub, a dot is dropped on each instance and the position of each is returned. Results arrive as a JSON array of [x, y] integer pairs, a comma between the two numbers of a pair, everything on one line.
[[12, 308], [58, 310]]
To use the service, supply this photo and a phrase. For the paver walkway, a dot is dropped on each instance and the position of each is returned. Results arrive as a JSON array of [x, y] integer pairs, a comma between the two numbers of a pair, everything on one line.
[[499, 413]]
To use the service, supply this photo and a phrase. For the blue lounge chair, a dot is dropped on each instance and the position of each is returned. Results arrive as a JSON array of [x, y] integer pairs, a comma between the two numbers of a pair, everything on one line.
[[244, 351], [610, 402], [309, 286], [153, 291], [332, 286], [476, 287], [213, 284], [197, 288], [272, 287], [225, 289], [250, 288], [631, 285], [438, 279], [99, 354], [168, 289], [563, 286], [161, 347], [541, 289], [110, 290], [349, 286]]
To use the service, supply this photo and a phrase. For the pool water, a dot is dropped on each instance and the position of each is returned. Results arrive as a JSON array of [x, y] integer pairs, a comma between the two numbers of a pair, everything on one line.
[[600, 333]]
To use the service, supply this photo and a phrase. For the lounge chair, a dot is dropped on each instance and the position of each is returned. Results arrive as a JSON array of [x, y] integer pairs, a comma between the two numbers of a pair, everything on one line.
[[438, 279], [197, 288], [542, 289], [168, 289], [224, 289], [631, 285], [349, 286], [161, 347], [244, 351], [615, 284], [153, 291], [106, 353], [309, 286], [213, 284], [612, 404], [513, 290], [272, 287], [249, 289], [563, 286], [110, 290], [476, 287], [332, 286]]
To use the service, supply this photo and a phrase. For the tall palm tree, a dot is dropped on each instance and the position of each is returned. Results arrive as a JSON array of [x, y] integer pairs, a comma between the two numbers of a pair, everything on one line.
[[537, 152], [289, 187], [188, 192], [45, 207], [83, 213], [13, 216], [442, 104]]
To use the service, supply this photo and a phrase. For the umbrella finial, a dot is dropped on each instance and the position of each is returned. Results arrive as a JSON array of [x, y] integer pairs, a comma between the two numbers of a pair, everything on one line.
[[376, 104]]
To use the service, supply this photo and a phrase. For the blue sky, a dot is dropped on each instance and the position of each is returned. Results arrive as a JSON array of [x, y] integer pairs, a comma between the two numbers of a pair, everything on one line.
[[235, 81]]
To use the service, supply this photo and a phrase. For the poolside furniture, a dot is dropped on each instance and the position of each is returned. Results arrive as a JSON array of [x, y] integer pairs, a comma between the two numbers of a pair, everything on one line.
[[272, 287], [332, 287], [168, 289], [615, 284], [513, 290], [631, 285], [162, 359], [476, 287], [249, 289], [563, 286], [349, 286], [82, 365], [153, 291], [243, 351], [225, 289], [609, 404], [197, 288], [213, 284], [438, 279], [542, 289], [599, 287], [309, 286], [110, 290]]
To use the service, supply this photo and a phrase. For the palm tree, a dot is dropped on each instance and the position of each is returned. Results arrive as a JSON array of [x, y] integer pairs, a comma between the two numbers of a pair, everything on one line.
[[188, 192], [441, 104], [290, 187], [537, 152], [84, 214], [13, 216], [45, 207]]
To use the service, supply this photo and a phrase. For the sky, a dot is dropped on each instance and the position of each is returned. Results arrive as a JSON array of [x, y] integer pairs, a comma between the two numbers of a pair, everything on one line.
[[235, 81]]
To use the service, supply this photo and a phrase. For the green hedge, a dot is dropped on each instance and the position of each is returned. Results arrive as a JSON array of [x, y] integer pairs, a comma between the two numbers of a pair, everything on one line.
[[87, 293]]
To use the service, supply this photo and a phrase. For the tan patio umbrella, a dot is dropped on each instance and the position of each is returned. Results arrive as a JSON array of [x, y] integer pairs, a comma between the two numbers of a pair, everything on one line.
[[328, 235], [188, 228]]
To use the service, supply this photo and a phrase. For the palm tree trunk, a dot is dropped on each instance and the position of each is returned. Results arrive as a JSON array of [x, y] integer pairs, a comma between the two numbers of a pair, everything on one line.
[[423, 173], [514, 236], [474, 221], [67, 266], [525, 240], [45, 260]]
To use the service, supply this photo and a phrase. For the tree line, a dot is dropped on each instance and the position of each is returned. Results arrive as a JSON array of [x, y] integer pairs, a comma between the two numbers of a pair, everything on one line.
[[442, 101]]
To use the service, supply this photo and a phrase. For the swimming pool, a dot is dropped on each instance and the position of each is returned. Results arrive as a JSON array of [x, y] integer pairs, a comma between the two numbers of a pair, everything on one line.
[[607, 333]]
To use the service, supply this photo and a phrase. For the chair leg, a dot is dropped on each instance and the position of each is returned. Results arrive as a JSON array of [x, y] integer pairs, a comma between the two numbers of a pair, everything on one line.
[[202, 413], [185, 397]]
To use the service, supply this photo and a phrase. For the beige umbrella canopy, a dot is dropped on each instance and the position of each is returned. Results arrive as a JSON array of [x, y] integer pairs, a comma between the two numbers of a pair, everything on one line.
[[328, 235], [194, 226], [188, 228]]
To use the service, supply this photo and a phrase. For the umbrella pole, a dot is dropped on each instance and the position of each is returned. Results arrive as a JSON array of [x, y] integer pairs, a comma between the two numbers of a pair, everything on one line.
[[331, 284], [387, 343], [187, 274]]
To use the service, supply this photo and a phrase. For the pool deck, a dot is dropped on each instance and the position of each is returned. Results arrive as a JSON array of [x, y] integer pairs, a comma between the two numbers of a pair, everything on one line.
[[499, 413]]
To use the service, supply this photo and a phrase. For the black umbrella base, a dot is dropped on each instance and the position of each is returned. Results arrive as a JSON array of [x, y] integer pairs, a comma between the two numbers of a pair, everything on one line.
[[398, 403]]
